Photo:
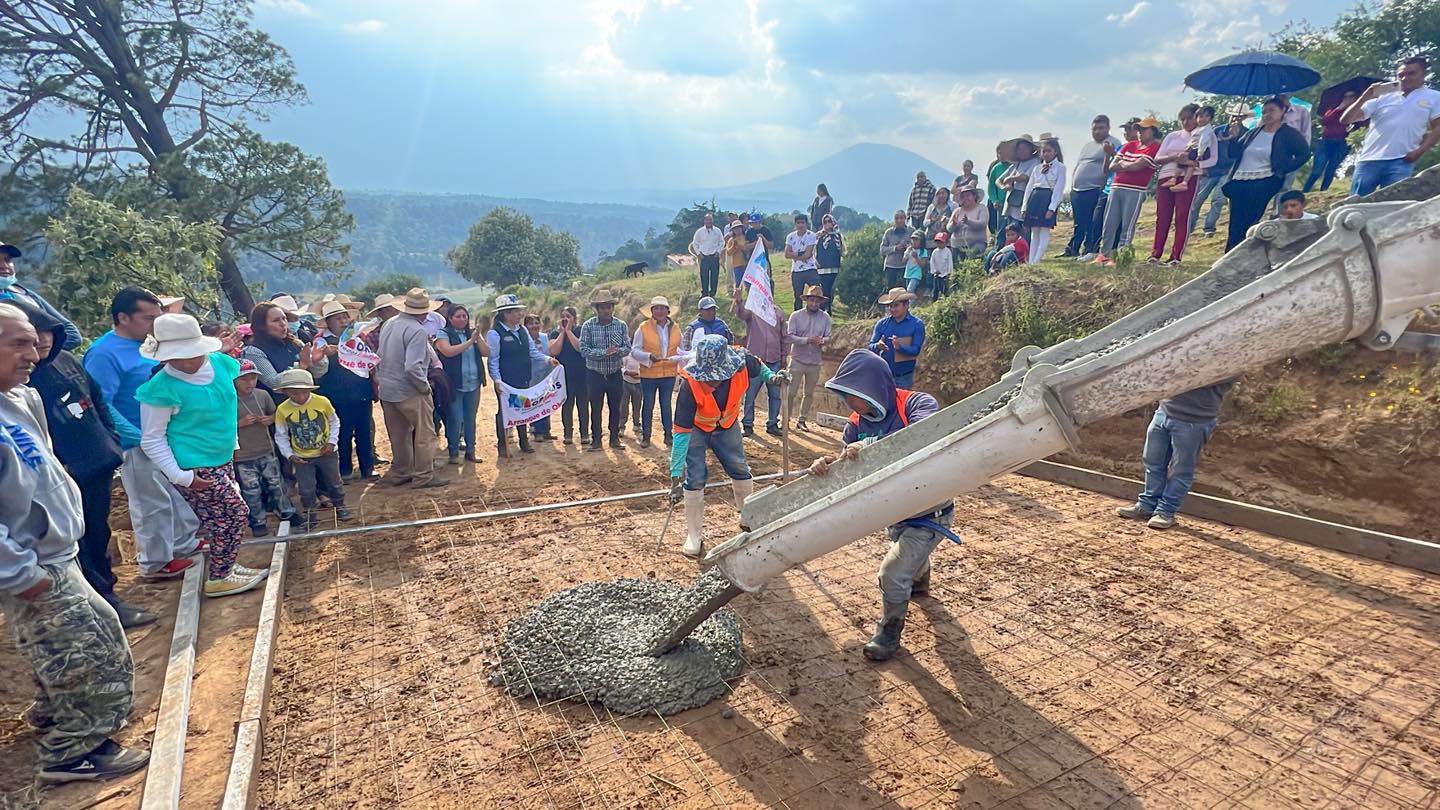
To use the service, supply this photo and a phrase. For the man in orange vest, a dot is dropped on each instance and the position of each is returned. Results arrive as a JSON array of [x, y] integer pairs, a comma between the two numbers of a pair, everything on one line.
[[878, 409], [707, 415], [655, 346]]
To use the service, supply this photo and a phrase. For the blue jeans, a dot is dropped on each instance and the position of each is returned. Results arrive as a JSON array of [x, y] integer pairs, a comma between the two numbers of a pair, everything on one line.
[[665, 387], [912, 285], [1208, 185], [1082, 203], [1372, 175], [461, 418], [753, 392], [1329, 154], [905, 380], [827, 284], [729, 448], [1172, 448]]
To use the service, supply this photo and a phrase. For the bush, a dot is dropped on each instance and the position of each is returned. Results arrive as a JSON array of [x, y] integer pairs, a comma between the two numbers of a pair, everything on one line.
[[862, 273], [1025, 321], [1282, 400]]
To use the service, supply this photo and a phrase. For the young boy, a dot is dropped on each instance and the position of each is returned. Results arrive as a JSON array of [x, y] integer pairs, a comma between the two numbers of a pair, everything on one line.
[[307, 431], [630, 398], [1292, 206], [942, 264], [256, 467], [1015, 251], [916, 260]]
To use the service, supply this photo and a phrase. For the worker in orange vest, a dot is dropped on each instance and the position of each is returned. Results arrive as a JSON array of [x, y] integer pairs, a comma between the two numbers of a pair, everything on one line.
[[707, 416], [655, 346]]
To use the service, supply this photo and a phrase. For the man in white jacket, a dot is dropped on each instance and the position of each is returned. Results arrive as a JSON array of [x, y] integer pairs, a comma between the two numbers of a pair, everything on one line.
[[68, 633]]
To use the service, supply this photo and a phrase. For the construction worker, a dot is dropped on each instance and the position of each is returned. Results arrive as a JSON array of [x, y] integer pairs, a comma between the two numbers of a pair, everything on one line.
[[707, 415], [878, 409]]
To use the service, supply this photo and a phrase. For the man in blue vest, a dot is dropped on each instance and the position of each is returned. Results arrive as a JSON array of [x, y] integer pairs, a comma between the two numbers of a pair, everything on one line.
[[511, 353], [879, 409]]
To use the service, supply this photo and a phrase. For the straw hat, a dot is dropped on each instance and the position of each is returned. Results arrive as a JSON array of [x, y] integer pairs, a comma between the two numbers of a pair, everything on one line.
[[603, 297], [417, 302], [1007, 148], [177, 337], [287, 303], [506, 302], [333, 308], [295, 378], [382, 301], [348, 302], [659, 301], [896, 294], [814, 291]]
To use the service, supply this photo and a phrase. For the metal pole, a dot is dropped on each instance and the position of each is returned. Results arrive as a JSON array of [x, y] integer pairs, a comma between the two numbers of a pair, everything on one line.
[[469, 516]]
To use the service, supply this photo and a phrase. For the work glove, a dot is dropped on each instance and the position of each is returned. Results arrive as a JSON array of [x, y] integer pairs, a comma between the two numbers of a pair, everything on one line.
[[783, 377], [677, 491]]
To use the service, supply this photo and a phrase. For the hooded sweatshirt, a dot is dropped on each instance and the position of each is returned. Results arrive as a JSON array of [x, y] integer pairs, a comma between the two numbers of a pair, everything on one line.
[[80, 429], [866, 375], [40, 516]]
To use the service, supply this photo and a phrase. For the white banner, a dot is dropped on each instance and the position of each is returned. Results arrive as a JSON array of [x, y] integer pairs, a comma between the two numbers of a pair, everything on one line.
[[352, 352], [760, 299], [523, 406]]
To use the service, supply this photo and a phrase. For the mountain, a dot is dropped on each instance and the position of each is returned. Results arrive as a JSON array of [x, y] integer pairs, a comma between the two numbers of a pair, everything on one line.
[[873, 178], [403, 232]]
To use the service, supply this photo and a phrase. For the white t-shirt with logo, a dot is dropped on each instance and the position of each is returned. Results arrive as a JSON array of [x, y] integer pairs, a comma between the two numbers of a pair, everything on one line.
[[1398, 123], [799, 244]]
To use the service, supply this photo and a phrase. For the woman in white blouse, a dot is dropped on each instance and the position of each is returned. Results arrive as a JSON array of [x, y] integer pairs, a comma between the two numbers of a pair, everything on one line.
[[1042, 196]]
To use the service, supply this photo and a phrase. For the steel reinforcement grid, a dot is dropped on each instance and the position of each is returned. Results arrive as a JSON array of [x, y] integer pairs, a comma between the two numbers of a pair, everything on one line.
[[1064, 659]]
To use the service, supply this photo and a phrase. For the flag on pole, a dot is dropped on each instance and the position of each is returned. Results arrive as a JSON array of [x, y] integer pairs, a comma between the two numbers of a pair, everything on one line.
[[761, 298]]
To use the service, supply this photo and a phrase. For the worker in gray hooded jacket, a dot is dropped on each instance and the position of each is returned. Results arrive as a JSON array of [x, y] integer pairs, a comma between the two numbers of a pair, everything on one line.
[[68, 633]]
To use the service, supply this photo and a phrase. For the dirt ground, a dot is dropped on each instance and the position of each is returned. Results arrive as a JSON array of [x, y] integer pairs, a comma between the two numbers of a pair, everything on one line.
[[1065, 660]]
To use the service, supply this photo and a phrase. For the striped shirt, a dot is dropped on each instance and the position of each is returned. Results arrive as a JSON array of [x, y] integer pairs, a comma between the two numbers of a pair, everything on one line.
[[1137, 177], [596, 339]]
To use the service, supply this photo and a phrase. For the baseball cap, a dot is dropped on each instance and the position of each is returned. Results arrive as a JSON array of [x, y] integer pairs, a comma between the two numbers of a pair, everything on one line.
[[756, 218], [707, 303]]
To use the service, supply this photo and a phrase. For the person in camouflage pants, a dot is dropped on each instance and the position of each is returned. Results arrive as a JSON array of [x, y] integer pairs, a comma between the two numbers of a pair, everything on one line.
[[67, 632]]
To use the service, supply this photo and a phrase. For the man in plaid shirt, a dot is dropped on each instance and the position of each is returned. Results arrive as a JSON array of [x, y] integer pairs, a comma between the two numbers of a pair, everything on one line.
[[920, 196], [604, 343]]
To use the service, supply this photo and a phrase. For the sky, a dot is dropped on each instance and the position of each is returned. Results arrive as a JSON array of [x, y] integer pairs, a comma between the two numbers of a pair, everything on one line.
[[565, 100]]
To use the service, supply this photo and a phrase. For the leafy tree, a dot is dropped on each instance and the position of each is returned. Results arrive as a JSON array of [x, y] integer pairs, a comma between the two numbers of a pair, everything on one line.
[[862, 272], [157, 96], [681, 230], [505, 248], [848, 219], [1367, 40], [394, 284], [98, 248]]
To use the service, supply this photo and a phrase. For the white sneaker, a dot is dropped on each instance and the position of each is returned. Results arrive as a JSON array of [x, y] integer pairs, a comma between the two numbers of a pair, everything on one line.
[[1088, 257], [233, 583], [251, 572]]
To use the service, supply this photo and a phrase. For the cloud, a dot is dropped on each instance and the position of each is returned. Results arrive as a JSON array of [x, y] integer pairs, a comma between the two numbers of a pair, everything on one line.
[[1129, 16], [363, 27], [709, 39], [295, 7]]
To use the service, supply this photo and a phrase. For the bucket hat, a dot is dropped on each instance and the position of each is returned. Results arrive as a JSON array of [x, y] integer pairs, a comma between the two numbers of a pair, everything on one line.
[[295, 378], [507, 302], [659, 301], [715, 360], [177, 337]]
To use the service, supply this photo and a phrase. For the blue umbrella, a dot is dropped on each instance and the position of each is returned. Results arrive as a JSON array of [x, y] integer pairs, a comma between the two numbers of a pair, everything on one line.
[[1254, 73]]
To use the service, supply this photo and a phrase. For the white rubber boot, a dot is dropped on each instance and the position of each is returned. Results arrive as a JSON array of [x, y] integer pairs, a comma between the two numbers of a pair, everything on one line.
[[694, 523], [743, 490]]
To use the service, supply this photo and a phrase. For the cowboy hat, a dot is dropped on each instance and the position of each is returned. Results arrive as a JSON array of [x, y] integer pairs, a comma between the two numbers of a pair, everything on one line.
[[507, 302], [603, 297], [896, 294], [177, 337], [382, 301], [316, 307], [1045, 136], [333, 308], [715, 360], [286, 303], [417, 302], [659, 301], [814, 291], [167, 301], [1241, 110], [295, 378], [348, 302]]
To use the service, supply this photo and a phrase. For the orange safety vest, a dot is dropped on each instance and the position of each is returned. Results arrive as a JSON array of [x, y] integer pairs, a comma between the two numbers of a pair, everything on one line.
[[650, 342], [902, 396], [708, 415]]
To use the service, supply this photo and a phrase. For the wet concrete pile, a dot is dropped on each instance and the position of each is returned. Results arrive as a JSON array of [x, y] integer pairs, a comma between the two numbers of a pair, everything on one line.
[[592, 642]]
